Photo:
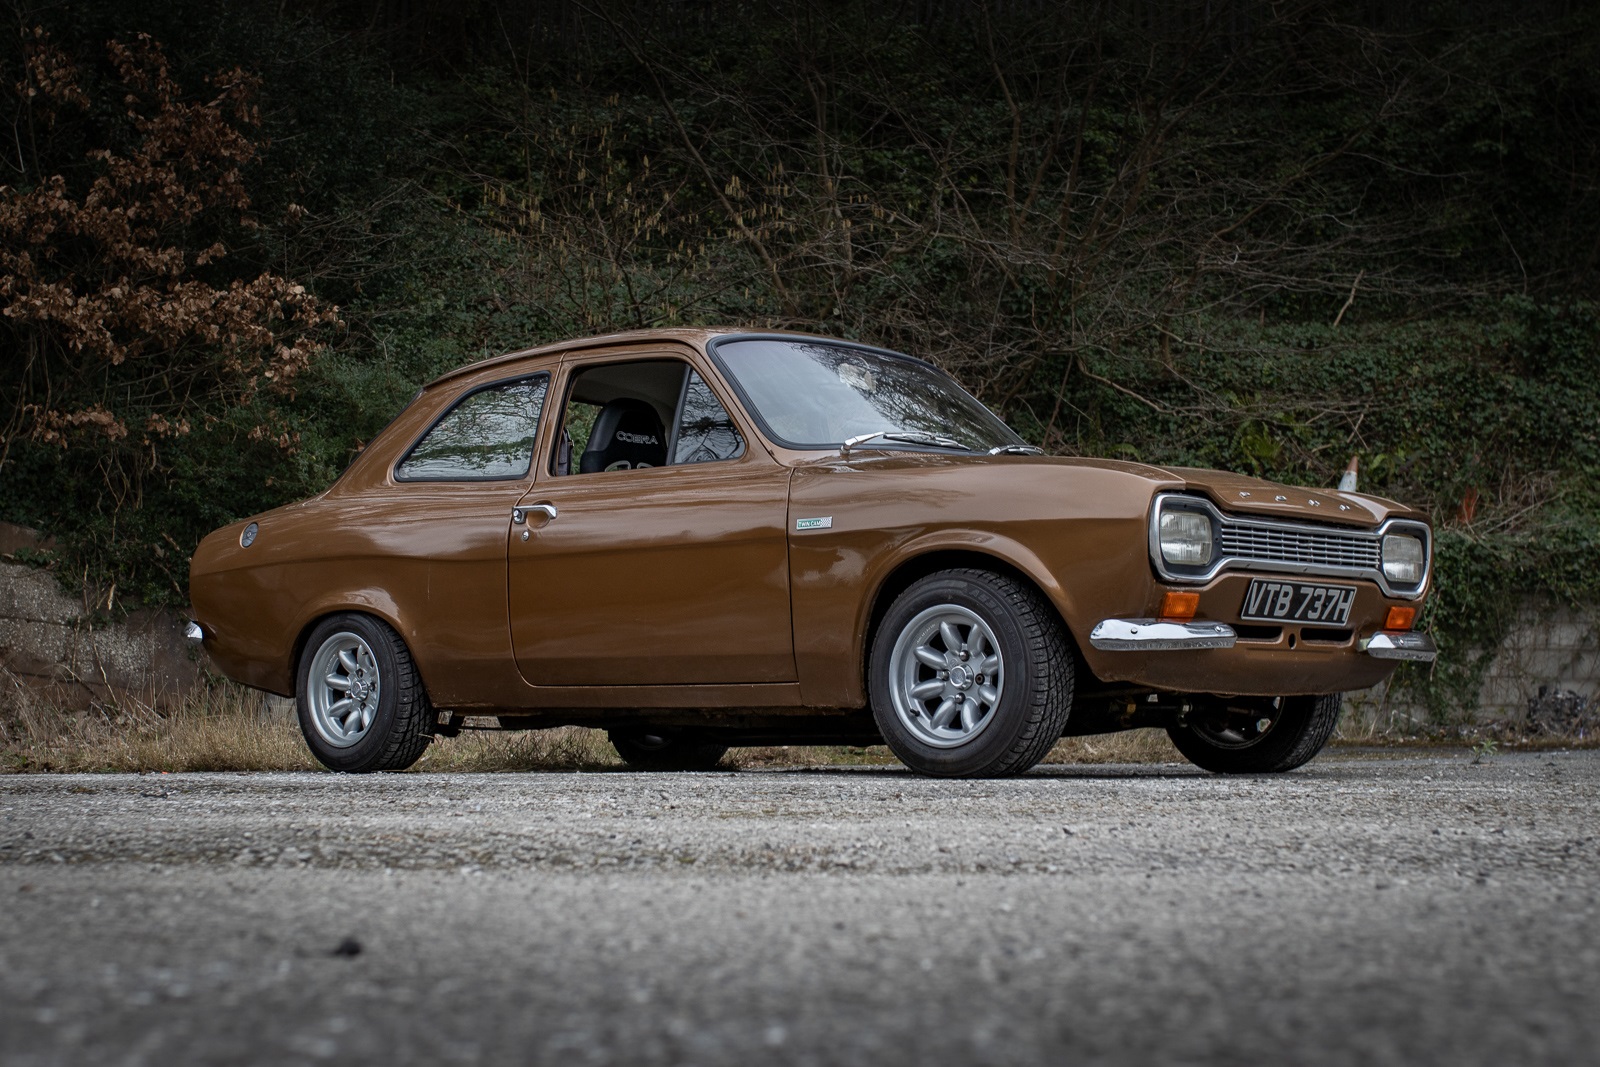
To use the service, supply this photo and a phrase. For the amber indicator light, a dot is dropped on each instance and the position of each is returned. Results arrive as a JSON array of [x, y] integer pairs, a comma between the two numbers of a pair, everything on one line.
[[1180, 605], [1399, 618]]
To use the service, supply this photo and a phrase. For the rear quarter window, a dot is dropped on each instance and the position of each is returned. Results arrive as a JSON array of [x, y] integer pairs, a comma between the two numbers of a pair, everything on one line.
[[487, 435]]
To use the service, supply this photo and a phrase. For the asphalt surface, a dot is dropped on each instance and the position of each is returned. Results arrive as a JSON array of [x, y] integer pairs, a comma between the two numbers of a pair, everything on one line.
[[1369, 909]]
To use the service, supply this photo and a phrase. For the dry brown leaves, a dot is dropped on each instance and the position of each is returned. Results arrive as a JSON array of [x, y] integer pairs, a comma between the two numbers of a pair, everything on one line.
[[106, 273]]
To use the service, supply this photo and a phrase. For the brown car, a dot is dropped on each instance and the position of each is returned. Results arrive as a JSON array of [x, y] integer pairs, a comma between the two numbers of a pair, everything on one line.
[[696, 539]]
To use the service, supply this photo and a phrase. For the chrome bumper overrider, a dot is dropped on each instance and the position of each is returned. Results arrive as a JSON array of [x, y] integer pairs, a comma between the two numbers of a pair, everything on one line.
[[1158, 635], [1400, 644], [193, 631]]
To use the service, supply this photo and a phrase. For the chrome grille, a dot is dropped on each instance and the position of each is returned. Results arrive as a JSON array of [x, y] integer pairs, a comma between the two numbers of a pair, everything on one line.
[[1253, 543], [1286, 546]]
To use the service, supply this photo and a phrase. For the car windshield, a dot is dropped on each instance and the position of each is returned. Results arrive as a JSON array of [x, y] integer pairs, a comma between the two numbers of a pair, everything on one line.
[[811, 394]]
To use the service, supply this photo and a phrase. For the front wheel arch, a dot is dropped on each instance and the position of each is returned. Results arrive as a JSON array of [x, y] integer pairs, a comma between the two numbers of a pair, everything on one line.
[[1012, 684], [910, 571]]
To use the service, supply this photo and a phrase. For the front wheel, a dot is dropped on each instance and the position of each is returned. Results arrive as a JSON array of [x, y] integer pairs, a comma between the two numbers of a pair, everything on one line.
[[970, 675], [360, 699], [1266, 736]]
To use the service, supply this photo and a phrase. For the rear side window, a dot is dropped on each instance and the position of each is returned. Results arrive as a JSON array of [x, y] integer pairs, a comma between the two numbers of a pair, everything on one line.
[[705, 432], [487, 435]]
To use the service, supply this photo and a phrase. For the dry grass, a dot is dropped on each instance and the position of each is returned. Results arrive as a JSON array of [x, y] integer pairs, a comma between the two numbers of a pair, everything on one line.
[[1386, 727], [780, 756], [230, 728], [565, 748], [227, 728], [1500, 735], [1130, 746]]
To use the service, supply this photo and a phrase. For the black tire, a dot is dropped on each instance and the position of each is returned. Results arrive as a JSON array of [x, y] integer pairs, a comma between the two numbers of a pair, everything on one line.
[[401, 723], [1028, 711], [666, 750], [1223, 740]]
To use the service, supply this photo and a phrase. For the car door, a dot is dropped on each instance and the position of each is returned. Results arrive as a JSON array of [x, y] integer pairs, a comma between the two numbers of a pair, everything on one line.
[[439, 528], [672, 574]]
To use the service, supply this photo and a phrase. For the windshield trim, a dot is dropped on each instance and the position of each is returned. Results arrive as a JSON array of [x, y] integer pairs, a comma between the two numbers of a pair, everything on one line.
[[760, 420]]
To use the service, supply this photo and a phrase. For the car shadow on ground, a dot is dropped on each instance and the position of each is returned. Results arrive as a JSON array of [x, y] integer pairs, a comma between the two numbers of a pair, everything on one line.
[[1319, 770], [1044, 770]]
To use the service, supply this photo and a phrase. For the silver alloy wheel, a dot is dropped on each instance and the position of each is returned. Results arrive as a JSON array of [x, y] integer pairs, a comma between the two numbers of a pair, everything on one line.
[[343, 689], [946, 676]]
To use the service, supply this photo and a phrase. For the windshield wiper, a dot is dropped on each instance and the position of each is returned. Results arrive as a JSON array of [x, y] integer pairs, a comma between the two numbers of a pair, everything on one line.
[[1016, 450], [915, 437]]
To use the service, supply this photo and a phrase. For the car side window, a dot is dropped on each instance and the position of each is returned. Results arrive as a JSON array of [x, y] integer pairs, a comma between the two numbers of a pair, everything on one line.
[[705, 432], [488, 435], [616, 416]]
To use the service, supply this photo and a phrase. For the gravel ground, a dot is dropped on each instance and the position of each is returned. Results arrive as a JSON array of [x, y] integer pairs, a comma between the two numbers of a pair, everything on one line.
[[1373, 908]]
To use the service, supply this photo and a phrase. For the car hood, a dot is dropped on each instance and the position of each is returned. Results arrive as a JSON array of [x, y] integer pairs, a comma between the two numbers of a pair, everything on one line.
[[1237, 494], [1243, 494]]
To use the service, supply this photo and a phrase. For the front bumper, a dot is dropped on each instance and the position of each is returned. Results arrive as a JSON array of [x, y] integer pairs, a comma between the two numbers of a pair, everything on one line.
[[1400, 644], [1160, 635], [1263, 659], [1165, 635]]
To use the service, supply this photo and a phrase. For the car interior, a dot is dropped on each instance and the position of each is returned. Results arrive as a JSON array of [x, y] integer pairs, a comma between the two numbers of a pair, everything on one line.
[[626, 416]]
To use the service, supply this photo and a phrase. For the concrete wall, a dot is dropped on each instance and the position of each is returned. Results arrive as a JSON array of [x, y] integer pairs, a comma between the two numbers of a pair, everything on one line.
[[1549, 647], [1549, 661], [53, 643]]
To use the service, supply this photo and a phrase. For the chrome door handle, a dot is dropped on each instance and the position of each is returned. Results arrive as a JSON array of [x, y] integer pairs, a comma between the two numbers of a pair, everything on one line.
[[520, 515]]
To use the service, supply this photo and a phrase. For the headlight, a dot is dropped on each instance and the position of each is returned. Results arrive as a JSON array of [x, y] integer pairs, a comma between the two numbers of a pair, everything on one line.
[[1403, 559], [1186, 538]]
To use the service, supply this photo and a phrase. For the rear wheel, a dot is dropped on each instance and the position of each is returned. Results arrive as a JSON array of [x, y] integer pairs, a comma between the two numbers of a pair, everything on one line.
[[360, 700], [666, 750], [970, 675], [1266, 736]]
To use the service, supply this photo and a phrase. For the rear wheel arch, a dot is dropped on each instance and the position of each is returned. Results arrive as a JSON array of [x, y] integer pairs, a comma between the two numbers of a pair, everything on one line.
[[360, 700], [327, 612]]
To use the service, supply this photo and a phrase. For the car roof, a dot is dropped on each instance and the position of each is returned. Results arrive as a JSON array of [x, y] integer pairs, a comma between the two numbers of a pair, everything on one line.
[[697, 336]]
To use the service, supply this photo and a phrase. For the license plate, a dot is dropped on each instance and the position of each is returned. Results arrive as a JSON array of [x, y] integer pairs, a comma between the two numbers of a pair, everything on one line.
[[1280, 601]]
